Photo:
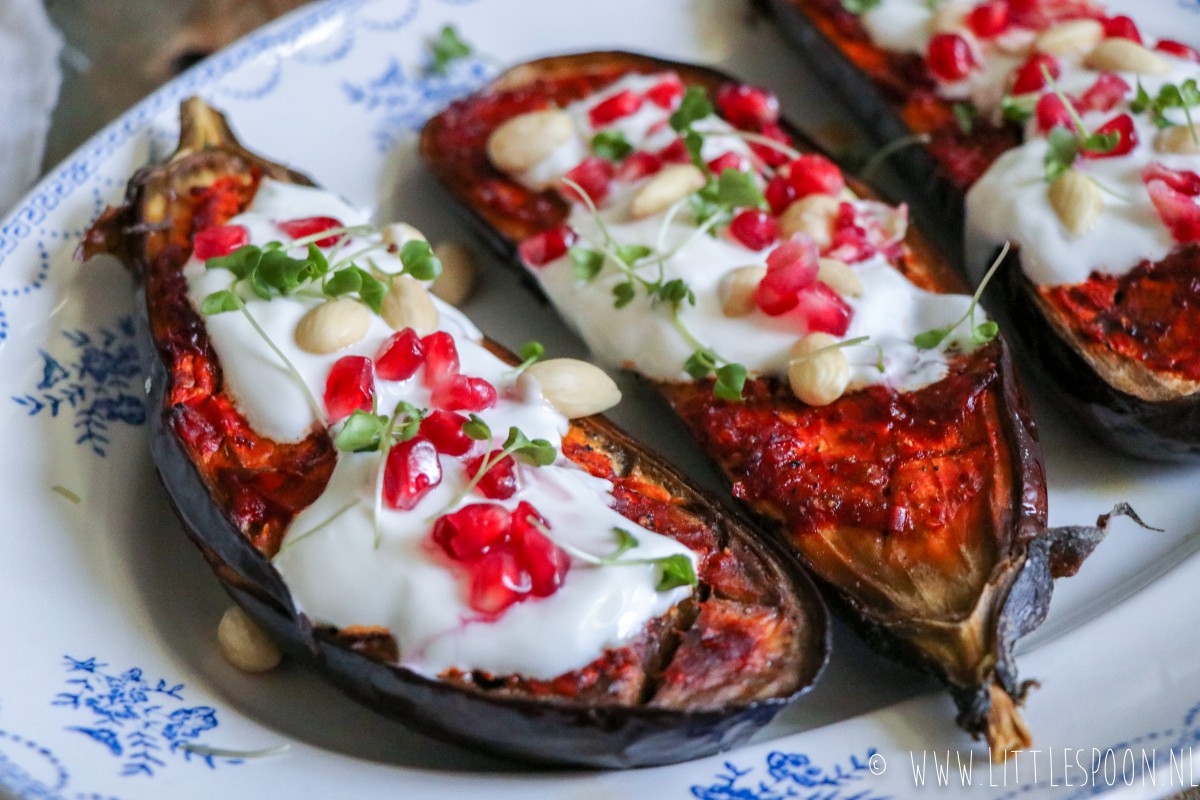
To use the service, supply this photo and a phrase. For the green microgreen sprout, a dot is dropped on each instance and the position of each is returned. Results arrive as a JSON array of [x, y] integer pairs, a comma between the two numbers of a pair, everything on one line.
[[447, 48], [529, 353], [366, 431], [981, 333], [611, 145], [1064, 144], [859, 6], [292, 541], [877, 159], [532, 452], [965, 115], [676, 569], [1018, 108], [1184, 96]]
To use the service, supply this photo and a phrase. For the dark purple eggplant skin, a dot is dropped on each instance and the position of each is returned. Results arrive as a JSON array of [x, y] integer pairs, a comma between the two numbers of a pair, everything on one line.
[[549, 731], [1153, 430]]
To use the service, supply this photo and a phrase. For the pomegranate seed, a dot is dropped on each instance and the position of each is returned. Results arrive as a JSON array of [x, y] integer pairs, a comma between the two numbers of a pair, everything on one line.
[[593, 175], [666, 93], [824, 310], [747, 106], [1182, 181], [1178, 211], [725, 161], [611, 109], [637, 166], [772, 156], [950, 57], [675, 153], [546, 564], [497, 582], [542, 248], [1177, 49], [1127, 138], [500, 481], [1051, 112], [461, 393], [812, 173], [1029, 75], [217, 242], [445, 430], [851, 242], [472, 531], [310, 226], [791, 267], [350, 387], [1121, 27], [779, 193], [411, 471], [399, 357], [754, 228], [989, 19], [441, 359], [1106, 92]]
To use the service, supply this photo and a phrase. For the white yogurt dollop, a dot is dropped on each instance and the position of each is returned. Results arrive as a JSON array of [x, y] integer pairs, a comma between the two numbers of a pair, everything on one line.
[[338, 575]]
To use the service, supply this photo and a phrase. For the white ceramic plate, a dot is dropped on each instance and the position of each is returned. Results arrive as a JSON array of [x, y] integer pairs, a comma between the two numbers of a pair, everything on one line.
[[109, 662]]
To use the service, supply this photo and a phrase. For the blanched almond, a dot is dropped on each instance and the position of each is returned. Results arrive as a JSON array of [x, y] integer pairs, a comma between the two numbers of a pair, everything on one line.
[[408, 305], [401, 233], [1178, 139], [1124, 55], [1073, 38], [736, 290], [1076, 200], [838, 275], [527, 139], [818, 372], [813, 215], [576, 388], [457, 280], [670, 185], [244, 644], [332, 325]]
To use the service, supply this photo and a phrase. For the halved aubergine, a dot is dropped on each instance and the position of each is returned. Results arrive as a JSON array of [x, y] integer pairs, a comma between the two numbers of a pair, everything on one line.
[[923, 513], [698, 680], [1120, 352]]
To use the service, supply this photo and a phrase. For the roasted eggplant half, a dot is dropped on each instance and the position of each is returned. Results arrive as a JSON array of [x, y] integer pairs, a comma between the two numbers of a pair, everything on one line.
[[683, 244], [1067, 132], [728, 629]]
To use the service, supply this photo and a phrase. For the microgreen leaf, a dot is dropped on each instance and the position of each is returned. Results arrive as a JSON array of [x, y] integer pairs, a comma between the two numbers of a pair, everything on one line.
[[694, 106], [419, 261], [1184, 96], [537, 453], [372, 290], [676, 291], [612, 145], [731, 382], [586, 263], [220, 302], [239, 262], [700, 364], [859, 6], [626, 541], [964, 114], [677, 570], [362, 431], [737, 189], [623, 294], [343, 282], [693, 142], [1062, 150], [632, 253], [981, 333], [985, 332], [930, 339], [446, 48], [531, 351], [475, 428], [1019, 108]]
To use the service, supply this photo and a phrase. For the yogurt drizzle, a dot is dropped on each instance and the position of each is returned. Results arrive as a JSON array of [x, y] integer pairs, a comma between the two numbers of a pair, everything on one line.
[[338, 576], [640, 336], [1009, 202]]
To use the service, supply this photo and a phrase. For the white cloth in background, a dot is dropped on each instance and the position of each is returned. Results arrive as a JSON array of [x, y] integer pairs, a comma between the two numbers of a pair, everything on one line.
[[29, 81]]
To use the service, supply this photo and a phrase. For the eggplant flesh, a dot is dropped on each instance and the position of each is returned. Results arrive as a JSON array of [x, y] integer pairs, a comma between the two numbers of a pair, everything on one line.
[[678, 691], [1122, 403], [950, 599]]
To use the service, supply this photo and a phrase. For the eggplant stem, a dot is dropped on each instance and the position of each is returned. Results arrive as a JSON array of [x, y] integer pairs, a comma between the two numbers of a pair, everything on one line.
[[1006, 731]]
